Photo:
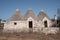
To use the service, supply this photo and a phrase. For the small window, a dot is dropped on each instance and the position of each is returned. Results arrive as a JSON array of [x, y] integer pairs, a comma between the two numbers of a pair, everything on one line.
[[15, 23]]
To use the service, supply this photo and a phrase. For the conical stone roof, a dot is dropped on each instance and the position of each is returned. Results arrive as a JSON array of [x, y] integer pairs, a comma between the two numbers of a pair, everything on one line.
[[42, 14], [30, 13], [16, 16]]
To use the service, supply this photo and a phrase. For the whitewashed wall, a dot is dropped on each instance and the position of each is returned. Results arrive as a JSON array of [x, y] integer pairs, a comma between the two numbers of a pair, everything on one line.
[[48, 21], [33, 22], [50, 30], [24, 25], [37, 25], [21, 25]]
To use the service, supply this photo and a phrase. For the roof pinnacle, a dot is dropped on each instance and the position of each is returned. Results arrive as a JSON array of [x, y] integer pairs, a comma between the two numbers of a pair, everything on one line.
[[17, 9], [42, 10], [30, 8]]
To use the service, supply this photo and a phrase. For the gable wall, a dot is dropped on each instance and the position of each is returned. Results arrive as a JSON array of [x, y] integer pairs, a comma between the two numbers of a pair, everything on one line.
[[48, 21]]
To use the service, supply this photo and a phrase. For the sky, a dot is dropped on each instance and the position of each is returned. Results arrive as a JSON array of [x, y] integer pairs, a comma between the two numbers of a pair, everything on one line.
[[8, 7]]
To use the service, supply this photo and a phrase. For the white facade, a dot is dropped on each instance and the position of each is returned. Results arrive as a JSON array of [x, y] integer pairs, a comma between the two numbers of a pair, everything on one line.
[[23, 25]]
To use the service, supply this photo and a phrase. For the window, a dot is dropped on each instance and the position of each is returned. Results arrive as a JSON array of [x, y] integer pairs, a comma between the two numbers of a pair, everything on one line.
[[15, 23], [45, 23]]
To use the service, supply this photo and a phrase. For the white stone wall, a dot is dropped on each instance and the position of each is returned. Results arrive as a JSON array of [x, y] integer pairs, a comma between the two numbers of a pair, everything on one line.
[[50, 30], [33, 22], [37, 25], [48, 21], [24, 25], [21, 26]]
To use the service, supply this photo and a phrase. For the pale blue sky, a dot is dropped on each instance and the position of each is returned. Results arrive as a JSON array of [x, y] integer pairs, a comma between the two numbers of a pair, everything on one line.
[[7, 7]]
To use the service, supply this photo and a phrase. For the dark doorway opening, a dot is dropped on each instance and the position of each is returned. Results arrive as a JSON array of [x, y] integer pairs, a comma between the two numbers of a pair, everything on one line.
[[45, 23], [30, 24]]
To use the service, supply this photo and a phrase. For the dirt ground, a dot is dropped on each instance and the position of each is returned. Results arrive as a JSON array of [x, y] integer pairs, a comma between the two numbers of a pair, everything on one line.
[[29, 36]]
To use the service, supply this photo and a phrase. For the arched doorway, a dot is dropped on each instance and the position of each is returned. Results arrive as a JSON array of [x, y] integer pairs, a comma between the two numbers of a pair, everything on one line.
[[30, 26], [45, 23]]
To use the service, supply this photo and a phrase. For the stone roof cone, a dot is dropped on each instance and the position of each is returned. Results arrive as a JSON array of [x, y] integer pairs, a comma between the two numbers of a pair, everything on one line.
[[30, 13], [16, 16], [42, 14]]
